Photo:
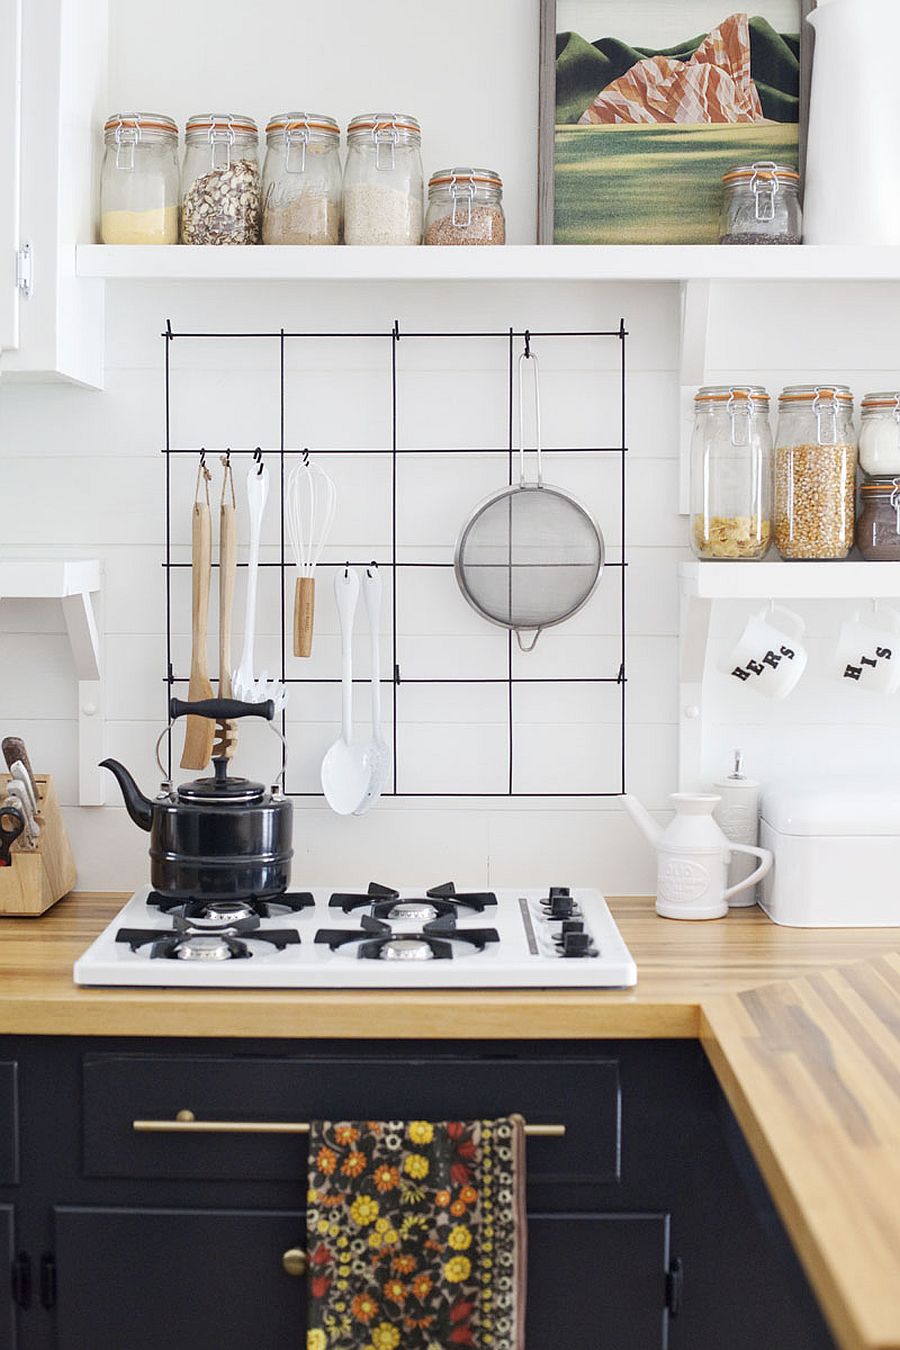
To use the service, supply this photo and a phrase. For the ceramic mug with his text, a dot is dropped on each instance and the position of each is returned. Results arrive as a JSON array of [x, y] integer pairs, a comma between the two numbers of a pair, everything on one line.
[[868, 650], [770, 657]]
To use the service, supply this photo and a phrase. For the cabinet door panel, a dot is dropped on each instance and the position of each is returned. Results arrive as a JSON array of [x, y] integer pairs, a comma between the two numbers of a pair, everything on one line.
[[9, 1123], [7, 1251], [10, 141], [178, 1279], [597, 1281]]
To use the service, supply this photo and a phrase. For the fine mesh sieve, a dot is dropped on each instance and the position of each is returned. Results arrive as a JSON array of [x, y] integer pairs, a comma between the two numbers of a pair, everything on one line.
[[530, 556]]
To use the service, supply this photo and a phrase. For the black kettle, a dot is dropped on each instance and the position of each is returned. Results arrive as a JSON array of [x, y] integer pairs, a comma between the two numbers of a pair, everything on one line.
[[217, 837]]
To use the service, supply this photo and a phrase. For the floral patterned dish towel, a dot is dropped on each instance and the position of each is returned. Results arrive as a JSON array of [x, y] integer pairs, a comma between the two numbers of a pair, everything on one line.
[[416, 1235]]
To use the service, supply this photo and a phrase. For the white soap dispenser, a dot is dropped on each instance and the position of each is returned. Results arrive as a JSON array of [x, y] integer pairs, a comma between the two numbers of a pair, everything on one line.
[[738, 818]]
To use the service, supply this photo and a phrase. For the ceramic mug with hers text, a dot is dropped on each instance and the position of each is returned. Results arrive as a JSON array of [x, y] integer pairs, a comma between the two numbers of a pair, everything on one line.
[[868, 650], [769, 656]]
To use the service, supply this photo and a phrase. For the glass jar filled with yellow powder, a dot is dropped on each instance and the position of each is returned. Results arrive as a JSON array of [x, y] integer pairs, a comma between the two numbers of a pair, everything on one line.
[[139, 180]]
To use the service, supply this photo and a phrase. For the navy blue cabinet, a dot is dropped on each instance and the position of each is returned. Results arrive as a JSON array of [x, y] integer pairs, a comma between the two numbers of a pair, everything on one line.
[[8, 1262]]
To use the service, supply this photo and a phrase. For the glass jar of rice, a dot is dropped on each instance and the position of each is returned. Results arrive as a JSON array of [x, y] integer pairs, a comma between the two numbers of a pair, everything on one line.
[[383, 181]]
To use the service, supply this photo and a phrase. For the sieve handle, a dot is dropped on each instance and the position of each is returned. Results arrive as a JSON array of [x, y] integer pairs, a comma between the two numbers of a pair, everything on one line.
[[529, 358]]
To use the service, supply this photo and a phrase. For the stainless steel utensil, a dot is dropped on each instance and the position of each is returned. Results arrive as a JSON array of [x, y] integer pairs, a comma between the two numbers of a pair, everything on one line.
[[530, 556], [345, 771], [245, 687], [377, 752]]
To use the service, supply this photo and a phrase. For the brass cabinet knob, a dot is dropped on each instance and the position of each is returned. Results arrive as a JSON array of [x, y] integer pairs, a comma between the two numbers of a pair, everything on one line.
[[185, 1116], [294, 1261]]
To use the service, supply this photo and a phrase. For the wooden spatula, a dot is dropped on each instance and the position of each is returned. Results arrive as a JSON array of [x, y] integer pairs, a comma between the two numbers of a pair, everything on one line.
[[198, 738], [226, 733]]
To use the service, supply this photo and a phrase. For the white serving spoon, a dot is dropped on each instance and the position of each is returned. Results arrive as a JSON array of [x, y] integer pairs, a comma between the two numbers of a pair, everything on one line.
[[345, 770], [244, 685], [377, 752]]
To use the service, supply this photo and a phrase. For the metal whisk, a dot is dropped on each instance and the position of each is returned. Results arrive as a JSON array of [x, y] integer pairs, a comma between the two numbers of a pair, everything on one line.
[[309, 508]]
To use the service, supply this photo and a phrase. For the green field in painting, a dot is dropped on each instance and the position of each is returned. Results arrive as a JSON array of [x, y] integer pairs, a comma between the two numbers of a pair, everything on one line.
[[657, 184]]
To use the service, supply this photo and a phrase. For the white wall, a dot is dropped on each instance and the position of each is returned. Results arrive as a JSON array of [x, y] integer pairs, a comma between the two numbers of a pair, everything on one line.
[[81, 473]]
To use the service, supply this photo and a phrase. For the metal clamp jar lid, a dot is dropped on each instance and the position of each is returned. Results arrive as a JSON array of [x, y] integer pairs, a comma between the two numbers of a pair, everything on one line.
[[740, 401], [222, 131], [766, 180], [827, 402], [386, 131], [295, 131], [127, 130]]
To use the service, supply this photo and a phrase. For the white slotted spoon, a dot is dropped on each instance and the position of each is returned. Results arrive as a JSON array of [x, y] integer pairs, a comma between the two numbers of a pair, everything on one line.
[[244, 685], [309, 508], [345, 769], [377, 752]]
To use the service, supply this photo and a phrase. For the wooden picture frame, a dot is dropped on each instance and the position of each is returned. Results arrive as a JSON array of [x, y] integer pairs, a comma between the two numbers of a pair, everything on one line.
[[547, 108]]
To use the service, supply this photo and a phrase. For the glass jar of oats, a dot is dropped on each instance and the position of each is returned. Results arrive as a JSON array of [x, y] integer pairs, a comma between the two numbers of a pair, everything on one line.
[[815, 472], [731, 473], [301, 180], [220, 201], [383, 180]]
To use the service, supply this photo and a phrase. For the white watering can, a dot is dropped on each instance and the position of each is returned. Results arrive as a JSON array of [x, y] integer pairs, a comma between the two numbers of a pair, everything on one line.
[[852, 190], [692, 869]]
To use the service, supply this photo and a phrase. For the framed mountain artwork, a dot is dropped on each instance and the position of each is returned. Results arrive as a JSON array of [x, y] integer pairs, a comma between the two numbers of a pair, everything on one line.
[[645, 104]]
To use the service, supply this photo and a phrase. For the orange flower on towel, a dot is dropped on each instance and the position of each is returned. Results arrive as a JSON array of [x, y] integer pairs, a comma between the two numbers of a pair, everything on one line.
[[403, 1264], [386, 1178], [395, 1290], [442, 1199], [468, 1195], [326, 1160], [354, 1164], [346, 1134], [422, 1286], [364, 1307]]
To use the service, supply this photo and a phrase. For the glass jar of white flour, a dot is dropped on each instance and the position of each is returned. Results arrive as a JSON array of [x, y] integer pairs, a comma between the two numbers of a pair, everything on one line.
[[879, 438], [383, 181]]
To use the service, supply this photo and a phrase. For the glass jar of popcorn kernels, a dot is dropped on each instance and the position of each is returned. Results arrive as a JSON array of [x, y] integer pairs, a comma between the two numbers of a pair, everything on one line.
[[731, 470], [815, 472]]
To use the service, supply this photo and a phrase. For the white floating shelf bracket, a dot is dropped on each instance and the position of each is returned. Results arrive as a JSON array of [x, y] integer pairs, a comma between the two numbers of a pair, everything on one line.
[[76, 583]]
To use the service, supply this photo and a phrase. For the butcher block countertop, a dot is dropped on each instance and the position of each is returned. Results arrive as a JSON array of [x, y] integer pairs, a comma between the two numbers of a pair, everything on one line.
[[802, 1028]]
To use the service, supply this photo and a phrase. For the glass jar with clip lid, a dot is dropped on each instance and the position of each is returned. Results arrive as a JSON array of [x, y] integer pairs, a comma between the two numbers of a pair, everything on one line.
[[761, 205], [731, 472], [383, 181], [220, 202], [301, 182], [465, 206], [139, 180], [815, 472]]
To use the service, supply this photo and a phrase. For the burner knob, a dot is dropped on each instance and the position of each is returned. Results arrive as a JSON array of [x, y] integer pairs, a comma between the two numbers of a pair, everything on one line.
[[572, 926], [576, 944], [561, 906], [559, 890]]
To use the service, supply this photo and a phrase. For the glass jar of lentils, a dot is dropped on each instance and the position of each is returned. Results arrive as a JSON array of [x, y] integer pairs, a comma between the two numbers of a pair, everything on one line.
[[731, 473], [815, 472], [383, 181], [465, 206], [761, 205], [220, 192], [301, 182]]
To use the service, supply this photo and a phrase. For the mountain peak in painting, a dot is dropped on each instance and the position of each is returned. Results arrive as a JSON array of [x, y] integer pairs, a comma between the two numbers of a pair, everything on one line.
[[713, 86], [586, 70]]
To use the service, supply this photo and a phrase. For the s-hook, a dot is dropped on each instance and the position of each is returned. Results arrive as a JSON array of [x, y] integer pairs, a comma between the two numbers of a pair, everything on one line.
[[258, 459], [527, 343]]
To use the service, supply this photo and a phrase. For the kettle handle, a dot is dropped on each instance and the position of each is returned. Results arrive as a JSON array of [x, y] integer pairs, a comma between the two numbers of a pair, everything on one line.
[[765, 867], [220, 709]]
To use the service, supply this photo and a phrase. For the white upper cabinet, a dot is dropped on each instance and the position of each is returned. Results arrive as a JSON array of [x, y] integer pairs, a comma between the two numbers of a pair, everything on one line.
[[52, 102]]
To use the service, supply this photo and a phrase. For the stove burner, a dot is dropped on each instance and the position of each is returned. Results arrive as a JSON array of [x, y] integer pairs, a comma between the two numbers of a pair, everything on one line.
[[378, 941], [418, 911], [380, 902], [405, 949], [199, 909], [204, 949], [215, 913]]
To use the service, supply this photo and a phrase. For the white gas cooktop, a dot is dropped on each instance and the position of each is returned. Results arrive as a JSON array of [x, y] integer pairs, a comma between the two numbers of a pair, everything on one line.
[[371, 939]]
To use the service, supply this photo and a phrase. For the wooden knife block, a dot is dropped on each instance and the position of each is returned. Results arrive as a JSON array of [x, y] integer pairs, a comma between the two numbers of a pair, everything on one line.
[[38, 877]]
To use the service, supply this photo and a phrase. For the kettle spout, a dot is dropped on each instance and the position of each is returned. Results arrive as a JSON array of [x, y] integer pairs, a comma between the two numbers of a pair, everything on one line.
[[139, 807], [644, 821]]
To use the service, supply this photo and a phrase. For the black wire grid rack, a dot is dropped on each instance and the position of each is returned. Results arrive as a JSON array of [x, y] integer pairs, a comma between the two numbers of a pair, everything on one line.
[[515, 341]]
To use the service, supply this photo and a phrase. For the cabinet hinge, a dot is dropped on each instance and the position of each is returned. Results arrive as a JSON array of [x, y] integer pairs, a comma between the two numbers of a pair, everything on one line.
[[21, 1281], [48, 1280], [24, 269], [675, 1286]]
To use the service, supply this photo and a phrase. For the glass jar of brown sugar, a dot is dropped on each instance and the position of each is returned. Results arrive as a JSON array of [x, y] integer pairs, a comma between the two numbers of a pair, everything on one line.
[[878, 526]]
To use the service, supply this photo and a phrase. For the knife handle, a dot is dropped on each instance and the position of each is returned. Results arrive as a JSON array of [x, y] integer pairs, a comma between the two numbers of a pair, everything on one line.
[[13, 748]]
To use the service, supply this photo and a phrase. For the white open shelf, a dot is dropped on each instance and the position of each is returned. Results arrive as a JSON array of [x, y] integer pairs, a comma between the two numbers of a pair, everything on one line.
[[76, 583], [790, 580], [517, 262]]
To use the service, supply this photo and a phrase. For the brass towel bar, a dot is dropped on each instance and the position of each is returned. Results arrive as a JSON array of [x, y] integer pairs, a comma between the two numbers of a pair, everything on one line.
[[186, 1122]]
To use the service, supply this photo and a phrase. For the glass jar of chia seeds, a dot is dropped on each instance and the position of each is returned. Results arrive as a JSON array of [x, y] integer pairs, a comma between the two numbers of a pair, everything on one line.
[[465, 206], [731, 473], [301, 181], [383, 181], [761, 205], [815, 472], [878, 526], [139, 180], [220, 194]]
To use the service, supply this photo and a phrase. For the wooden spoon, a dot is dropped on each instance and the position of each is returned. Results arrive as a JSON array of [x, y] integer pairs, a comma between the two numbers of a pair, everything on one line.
[[198, 738]]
